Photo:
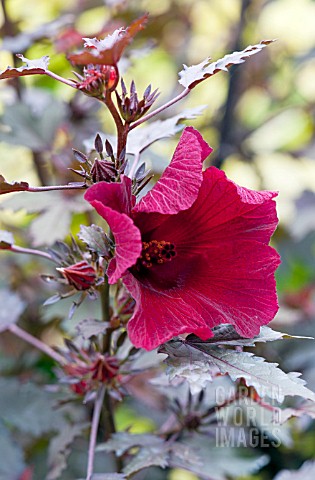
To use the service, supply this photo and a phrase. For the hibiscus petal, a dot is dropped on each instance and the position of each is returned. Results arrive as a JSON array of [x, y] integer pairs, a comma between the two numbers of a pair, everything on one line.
[[222, 211], [111, 200], [179, 185], [117, 196], [160, 315], [234, 283]]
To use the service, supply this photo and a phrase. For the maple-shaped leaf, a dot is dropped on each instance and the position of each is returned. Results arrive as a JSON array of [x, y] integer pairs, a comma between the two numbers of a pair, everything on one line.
[[157, 456], [59, 448], [7, 187], [266, 378], [153, 450], [95, 238], [191, 76], [208, 462], [109, 50], [227, 335], [6, 240], [32, 67]]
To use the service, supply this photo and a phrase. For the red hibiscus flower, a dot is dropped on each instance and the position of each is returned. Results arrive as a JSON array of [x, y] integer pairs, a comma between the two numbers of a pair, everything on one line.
[[194, 251]]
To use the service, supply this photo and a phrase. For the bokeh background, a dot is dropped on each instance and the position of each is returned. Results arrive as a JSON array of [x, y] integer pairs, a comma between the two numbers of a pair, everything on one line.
[[259, 119]]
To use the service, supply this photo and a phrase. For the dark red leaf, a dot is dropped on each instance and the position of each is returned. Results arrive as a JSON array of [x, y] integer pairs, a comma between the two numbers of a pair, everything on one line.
[[32, 67], [109, 50], [6, 240], [6, 187]]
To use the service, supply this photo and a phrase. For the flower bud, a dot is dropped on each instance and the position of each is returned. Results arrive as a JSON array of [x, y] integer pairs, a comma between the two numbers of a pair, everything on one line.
[[81, 275], [98, 79], [103, 170]]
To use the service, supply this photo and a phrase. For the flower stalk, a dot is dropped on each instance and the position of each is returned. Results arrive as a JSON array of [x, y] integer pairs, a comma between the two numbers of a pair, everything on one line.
[[94, 428]]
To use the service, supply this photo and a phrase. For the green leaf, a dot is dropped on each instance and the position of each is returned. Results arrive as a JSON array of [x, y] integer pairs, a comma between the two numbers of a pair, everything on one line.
[[189, 77], [95, 238], [32, 67], [6, 240], [59, 449], [29, 408], [6, 187], [11, 308]]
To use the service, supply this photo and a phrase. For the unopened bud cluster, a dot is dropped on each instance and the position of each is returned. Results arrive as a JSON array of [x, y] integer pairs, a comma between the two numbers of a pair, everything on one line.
[[86, 370], [97, 80], [130, 107]]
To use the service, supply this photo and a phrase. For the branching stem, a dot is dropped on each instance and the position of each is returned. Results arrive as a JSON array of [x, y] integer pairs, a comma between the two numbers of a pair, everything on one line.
[[30, 251], [161, 109], [53, 75], [19, 332], [56, 187]]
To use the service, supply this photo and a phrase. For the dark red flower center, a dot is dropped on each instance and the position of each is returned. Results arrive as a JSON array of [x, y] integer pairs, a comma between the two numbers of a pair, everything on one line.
[[156, 253]]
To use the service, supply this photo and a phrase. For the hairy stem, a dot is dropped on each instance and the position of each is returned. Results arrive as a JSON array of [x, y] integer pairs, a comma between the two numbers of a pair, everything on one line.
[[19, 332], [160, 109], [94, 428]]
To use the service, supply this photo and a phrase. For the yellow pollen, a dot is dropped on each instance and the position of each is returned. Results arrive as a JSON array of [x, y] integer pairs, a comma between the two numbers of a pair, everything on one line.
[[156, 253]]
